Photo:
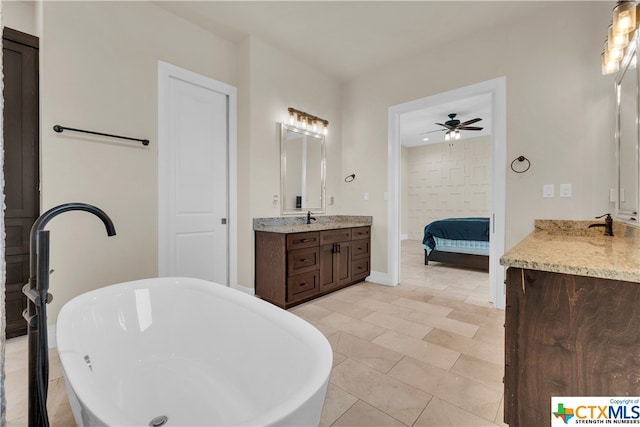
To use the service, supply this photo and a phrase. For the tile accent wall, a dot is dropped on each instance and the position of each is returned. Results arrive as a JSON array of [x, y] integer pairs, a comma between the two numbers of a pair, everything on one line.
[[449, 179]]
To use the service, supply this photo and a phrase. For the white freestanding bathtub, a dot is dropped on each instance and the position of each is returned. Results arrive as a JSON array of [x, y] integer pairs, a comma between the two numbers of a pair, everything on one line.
[[187, 352]]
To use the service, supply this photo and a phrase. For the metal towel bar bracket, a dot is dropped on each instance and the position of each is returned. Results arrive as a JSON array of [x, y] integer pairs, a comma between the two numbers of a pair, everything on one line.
[[60, 129]]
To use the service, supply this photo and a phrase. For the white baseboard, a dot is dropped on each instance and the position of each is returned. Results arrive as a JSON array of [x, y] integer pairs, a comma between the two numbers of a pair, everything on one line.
[[380, 278]]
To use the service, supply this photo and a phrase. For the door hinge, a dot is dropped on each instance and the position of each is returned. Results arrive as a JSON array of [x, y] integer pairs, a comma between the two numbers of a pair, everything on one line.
[[223, 221]]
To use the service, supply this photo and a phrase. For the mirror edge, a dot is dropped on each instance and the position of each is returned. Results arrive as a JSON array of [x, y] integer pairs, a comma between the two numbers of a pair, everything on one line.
[[627, 216]]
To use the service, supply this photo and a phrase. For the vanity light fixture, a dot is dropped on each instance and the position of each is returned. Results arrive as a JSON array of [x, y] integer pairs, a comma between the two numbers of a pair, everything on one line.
[[307, 121], [619, 34]]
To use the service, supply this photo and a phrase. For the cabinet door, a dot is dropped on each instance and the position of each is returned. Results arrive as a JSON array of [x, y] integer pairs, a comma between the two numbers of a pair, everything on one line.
[[328, 267], [335, 265], [343, 269]]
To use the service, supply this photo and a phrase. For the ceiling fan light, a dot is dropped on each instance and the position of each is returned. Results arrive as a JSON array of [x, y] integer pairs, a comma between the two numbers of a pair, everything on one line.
[[624, 17]]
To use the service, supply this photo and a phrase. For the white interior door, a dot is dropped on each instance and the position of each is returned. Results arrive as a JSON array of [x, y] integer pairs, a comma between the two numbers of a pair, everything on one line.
[[193, 238]]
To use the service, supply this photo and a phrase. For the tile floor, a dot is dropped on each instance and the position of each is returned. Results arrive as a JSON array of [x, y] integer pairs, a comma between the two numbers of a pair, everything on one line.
[[428, 352]]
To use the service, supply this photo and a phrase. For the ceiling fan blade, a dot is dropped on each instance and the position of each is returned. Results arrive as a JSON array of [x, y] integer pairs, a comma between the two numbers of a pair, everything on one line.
[[447, 126], [469, 122], [470, 128], [432, 131]]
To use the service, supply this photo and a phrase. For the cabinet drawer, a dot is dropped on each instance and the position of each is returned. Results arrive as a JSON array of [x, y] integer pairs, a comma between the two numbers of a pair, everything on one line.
[[360, 269], [302, 240], [302, 260], [335, 236], [359, 249], [302, 285], [360, 233]]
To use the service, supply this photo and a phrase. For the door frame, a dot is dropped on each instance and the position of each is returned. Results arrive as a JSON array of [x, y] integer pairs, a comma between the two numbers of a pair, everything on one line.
[[165, 71], [498, 89]]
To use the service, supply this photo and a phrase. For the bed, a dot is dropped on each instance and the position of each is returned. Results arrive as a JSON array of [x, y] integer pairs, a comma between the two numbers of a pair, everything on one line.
[[458, 241]]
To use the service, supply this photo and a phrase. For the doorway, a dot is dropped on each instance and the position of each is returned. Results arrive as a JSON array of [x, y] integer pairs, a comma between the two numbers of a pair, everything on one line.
[[497, 89], [21, 167], [196, 176]]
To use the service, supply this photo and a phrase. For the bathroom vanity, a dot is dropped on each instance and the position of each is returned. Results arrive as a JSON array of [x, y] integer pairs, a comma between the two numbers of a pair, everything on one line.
[[572, 321], [296, 262]]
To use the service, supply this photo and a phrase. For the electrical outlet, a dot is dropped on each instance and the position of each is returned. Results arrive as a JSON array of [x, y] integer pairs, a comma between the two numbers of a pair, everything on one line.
[[366, 196], [565, 190], [548, 190]]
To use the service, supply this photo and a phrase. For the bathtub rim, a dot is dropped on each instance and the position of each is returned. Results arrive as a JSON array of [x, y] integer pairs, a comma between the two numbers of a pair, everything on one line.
[[316, 382]]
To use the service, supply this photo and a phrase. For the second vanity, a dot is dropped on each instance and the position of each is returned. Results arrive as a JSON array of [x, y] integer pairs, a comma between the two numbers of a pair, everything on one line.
[[296, 262], [572, 321]]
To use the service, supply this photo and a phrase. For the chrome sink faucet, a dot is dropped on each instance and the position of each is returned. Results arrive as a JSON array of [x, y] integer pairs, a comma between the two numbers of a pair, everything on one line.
[[309, 217], [608, 224]]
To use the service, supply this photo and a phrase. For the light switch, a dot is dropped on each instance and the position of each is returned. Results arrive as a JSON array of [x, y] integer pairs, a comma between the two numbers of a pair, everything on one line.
[[548, 190], [565, 190], [612, 195], [366, 196]]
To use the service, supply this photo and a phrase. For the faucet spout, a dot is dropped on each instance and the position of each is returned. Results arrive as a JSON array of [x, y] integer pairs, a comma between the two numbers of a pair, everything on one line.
[[608, 224], [42, 221], [309, 217]]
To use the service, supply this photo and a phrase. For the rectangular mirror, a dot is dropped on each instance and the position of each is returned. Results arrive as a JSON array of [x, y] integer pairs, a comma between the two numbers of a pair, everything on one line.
[[627, 137], [302, 170]]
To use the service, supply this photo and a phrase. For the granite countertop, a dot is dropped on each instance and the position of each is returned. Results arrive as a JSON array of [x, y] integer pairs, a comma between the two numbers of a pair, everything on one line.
[[298, 224], [571, 247]]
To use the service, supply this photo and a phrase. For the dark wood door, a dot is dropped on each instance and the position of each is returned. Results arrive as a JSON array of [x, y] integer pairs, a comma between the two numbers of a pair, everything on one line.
[[21, 141]]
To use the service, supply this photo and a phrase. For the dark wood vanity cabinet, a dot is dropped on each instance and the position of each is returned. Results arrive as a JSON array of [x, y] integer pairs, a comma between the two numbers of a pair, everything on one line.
[[567, 335], [296, 267]]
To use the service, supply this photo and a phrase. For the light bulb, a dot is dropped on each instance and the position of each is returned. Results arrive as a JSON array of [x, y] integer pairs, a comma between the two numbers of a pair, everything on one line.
[[616, 40], [624, 17]]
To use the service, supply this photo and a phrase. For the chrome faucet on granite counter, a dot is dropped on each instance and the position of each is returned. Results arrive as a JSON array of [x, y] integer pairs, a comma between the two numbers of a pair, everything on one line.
[[309, 217], [608, 224]]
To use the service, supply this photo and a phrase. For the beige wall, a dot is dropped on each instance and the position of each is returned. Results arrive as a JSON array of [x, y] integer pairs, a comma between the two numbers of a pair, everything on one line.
[[99, 72], [274, 82], [559, 110], [21, 16], [448, 179]]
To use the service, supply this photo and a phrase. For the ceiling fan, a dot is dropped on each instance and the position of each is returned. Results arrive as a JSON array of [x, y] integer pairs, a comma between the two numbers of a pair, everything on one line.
[[453, 126]]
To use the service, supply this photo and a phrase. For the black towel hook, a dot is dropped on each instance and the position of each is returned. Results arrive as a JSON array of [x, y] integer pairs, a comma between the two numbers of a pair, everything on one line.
[[521, 159]]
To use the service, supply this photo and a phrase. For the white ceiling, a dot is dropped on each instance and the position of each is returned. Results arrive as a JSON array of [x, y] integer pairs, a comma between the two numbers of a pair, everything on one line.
[[348, 38]]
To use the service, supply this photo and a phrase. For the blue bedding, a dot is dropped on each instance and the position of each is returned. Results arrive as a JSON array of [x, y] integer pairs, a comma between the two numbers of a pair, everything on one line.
[[456, 229]]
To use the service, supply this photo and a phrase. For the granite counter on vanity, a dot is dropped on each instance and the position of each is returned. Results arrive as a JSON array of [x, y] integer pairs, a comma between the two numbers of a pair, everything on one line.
[[570, 247], [572, 315], [298, 224]]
